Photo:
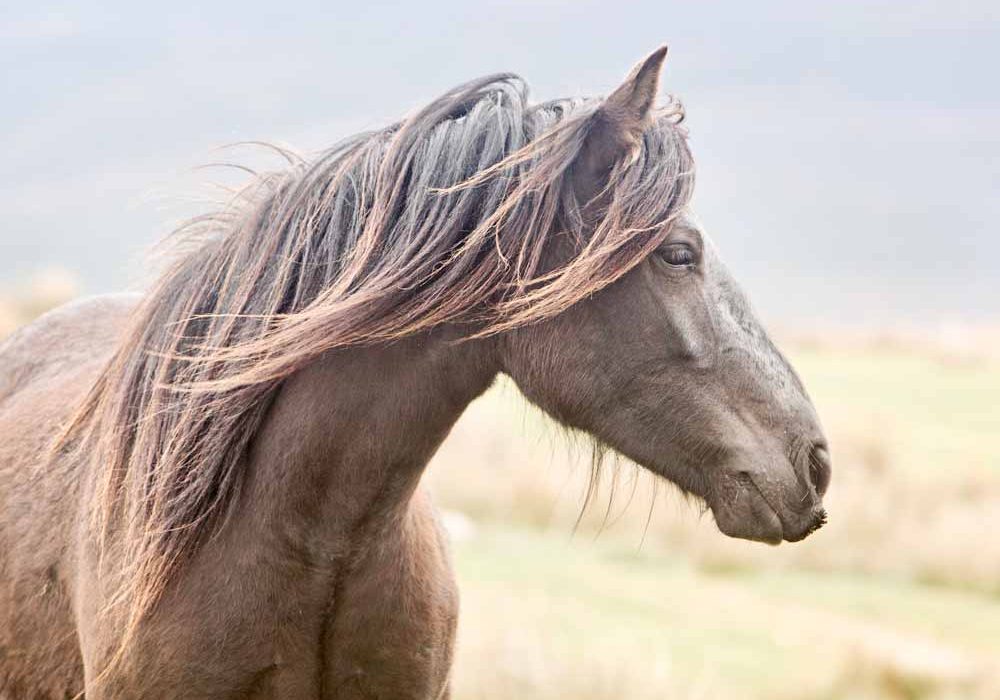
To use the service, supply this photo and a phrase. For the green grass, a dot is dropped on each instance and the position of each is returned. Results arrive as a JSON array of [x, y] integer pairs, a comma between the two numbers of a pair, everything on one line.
[[934, 414], [898, 597], [748, 635]]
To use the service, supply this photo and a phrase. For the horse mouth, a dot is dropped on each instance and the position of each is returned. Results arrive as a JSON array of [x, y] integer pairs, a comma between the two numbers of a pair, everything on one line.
[[816, 520], [742, 509]]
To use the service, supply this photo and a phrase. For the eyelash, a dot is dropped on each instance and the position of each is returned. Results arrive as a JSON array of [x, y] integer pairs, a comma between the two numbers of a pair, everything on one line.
[[679, 255]]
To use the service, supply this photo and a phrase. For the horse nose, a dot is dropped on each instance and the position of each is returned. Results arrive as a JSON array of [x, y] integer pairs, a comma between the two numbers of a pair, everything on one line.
[[819, 467]]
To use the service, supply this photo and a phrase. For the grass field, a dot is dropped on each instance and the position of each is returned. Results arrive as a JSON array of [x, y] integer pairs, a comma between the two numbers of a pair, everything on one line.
[[898, 597]]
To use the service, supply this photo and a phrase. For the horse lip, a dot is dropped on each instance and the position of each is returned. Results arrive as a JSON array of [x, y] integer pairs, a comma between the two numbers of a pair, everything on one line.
[[756, 519], [817, 518], [816, 521], [760, 518], [774, 511]]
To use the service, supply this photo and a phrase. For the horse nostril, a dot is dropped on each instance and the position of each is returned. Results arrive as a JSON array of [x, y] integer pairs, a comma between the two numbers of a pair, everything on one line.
[[819, 467]]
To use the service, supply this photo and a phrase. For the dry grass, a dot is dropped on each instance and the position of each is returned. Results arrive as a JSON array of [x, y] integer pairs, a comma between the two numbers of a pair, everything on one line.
[[898, 598], [893, 512], [545, 618], [864, 677]]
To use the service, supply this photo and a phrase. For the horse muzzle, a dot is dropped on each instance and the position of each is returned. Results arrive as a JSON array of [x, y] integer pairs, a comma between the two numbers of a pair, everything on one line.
[[781, 501]]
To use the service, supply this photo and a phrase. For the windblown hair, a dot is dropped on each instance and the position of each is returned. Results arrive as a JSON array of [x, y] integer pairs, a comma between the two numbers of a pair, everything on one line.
[[448, 217]]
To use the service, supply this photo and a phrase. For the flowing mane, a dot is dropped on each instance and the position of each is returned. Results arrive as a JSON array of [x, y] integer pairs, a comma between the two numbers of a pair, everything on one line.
[[447, 217]]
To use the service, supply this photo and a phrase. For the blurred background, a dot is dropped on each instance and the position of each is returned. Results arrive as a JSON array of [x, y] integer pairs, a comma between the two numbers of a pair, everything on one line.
[[848, 168]]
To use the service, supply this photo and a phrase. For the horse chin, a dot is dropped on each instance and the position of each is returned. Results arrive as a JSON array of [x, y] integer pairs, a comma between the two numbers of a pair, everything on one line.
[[748, 516]]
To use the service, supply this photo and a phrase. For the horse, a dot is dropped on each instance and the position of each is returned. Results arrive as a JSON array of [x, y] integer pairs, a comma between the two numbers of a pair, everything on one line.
[[212, 490]]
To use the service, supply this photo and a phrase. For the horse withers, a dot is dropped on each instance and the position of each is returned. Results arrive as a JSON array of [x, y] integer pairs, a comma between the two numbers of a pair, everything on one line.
[[211, 491]]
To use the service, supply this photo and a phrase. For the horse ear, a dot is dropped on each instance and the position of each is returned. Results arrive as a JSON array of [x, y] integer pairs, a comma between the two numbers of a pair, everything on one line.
[[618, 124]]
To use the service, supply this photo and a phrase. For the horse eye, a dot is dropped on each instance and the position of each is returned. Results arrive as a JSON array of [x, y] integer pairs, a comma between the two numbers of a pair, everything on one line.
[[679, 255]]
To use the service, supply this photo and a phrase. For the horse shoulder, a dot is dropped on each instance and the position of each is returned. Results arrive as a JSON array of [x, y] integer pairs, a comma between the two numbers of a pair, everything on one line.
[[393, 629]]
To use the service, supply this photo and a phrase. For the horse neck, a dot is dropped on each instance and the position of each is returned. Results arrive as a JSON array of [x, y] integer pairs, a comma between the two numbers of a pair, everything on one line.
[[346, 439]]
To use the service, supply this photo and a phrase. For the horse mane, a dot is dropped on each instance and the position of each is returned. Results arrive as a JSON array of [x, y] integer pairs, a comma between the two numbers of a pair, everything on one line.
[[443, 218]]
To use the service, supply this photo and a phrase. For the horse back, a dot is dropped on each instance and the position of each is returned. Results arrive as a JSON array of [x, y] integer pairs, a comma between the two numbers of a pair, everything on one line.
[[46, 368], [71, 335]]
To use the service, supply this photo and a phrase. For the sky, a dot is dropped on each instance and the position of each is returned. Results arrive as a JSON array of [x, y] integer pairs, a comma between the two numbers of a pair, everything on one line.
[[848, 153]]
